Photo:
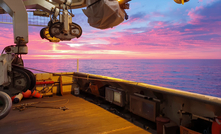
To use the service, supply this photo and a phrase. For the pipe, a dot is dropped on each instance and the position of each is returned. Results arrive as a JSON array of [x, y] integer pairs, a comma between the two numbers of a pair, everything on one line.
[[44, 82]]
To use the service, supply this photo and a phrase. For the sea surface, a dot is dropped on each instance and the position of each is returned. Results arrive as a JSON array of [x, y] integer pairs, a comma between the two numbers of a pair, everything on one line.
[[198, 76]]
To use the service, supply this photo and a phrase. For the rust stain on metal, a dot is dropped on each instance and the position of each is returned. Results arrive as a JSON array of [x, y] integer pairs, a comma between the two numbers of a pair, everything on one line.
[[94, 89]]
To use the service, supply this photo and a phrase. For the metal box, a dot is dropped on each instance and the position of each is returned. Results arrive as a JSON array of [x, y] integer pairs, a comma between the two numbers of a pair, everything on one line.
[[145, 108], [5, 59], [184, 130], [114, 96]]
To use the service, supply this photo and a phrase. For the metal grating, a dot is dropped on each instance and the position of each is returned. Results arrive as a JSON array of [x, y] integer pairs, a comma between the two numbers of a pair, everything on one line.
[[32, 20], [115, 96], [37, 20], [5, 18], [109, 94]]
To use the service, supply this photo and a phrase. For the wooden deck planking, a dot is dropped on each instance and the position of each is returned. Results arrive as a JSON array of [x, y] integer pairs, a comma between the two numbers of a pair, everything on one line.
[[82, 117]]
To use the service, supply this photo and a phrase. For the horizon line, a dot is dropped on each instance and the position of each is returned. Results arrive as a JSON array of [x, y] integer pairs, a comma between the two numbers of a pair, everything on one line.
[[112, 59]]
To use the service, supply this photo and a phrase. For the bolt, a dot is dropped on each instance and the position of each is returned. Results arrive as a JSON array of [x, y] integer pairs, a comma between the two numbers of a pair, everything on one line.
[[19, 81]]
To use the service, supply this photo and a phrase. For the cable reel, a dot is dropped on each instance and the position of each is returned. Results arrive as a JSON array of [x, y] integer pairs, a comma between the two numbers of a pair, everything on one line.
[[56, 30], [26, 76]]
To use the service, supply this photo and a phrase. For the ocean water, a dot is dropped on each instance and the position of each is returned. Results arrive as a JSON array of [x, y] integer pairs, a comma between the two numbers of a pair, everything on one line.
[[198, 76]]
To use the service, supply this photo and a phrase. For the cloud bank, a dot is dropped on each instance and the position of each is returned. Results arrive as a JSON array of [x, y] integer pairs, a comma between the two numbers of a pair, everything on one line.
[[178, 32]]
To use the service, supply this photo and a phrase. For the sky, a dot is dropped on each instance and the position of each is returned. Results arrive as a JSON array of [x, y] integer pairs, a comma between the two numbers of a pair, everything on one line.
[[158, 29]]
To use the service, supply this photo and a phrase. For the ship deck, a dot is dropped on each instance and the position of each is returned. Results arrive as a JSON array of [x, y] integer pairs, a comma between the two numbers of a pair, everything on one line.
[[82, 117]]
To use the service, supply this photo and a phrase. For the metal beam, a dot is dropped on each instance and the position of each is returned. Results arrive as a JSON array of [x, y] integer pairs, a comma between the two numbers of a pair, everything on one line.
[[17, 10]]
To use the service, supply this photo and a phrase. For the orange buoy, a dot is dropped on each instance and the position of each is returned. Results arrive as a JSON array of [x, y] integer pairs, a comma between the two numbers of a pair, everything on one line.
[[13, 97], [216, 126], [36, 94], [27, 94], [18, 98]]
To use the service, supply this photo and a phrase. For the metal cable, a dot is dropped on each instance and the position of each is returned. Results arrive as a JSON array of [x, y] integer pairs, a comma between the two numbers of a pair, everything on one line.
[[75, 76], [23, 106]]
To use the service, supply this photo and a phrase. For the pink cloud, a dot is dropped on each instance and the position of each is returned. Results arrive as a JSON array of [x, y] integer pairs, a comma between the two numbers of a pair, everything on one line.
[[156, 43], [159, 42], [194, 17], [161, 39]]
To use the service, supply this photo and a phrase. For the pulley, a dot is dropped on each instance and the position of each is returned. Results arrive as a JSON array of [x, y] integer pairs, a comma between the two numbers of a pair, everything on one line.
[[75, 30], [56, 30]]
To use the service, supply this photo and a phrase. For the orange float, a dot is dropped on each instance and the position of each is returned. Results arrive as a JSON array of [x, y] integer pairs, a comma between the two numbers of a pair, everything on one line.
[[18, 98], [36, 94], [13, 97], [216, 126], [27, 94]]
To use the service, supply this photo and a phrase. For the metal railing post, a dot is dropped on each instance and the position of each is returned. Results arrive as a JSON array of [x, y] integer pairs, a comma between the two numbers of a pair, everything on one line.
[[77, 65]]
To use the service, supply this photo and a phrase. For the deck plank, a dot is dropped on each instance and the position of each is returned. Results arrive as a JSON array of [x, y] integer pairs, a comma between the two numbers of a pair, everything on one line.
[[82, 117]]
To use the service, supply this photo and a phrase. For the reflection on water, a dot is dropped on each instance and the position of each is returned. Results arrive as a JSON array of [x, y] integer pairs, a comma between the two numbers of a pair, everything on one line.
[[200, 76]]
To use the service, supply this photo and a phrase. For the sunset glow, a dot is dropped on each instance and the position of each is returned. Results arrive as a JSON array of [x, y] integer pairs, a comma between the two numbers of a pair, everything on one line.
[[154, 30]]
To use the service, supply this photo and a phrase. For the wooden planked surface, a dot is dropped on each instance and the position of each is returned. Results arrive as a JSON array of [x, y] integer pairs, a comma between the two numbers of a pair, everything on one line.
[[82, 117]]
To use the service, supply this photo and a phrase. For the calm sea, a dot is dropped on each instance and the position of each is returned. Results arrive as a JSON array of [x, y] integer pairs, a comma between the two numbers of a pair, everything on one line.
[[199, 76]]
